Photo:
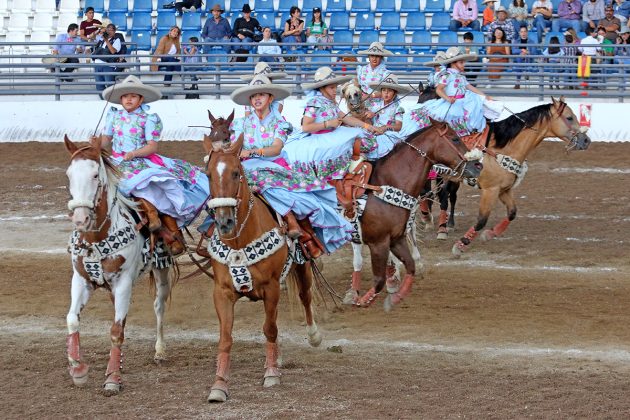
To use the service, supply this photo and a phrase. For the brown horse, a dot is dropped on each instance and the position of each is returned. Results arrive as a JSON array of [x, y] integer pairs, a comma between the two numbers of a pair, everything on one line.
[[242, 267], [509, 143], [383, 225]]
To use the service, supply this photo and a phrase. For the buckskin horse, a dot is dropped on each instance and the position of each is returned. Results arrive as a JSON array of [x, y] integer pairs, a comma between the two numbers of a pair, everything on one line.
[[108, 251], [509, 143], [396, 181], [250, 255]]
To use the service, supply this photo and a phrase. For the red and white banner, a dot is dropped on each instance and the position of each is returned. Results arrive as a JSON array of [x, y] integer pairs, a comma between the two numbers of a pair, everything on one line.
[[585, 115]]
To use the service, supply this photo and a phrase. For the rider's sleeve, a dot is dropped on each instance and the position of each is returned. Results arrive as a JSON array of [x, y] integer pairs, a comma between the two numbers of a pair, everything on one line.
[[282, 130], [400, 111], [236, 128], [108, 129], [153, 127]]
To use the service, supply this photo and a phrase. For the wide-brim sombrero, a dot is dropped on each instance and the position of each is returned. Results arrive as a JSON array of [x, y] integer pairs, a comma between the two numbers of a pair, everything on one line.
[[262, 68], [131, 84], [376, 48], [104, 23], [454, 54], [259, 84], [437, 60], [52, 59], [325, 76], [390, 81]]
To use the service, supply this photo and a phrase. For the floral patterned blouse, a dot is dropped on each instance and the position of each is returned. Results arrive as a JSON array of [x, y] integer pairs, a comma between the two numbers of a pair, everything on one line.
[[321, 108], [455, 82], [257, 133], [385, 115], [366, 75], [132, 130]]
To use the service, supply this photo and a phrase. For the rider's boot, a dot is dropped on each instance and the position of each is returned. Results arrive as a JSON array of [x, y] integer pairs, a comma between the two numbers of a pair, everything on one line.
[[356, 156], [309, 240], [201, 249], [175, 242], [151, 213], [293, 228]]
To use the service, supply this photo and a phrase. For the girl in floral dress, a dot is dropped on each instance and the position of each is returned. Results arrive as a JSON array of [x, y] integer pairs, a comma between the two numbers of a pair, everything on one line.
[[463, 106], [173, 187], [288, 193], [375, 70], [386, 114]]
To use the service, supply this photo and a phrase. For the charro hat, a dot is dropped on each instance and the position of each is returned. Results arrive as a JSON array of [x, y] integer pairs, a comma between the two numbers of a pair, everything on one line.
[[324, 76], [453, 54], [501, 9], [390, 81], [259, 84], [376, 48], [246, 8], [437, 60], [52, 59], [262, 68], [217, 7], [103, 23], [131, 84]]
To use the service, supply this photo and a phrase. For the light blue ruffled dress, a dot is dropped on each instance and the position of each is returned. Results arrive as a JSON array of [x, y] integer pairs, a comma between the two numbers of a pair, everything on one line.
[[385, 115], [173, 186], [283, 188]]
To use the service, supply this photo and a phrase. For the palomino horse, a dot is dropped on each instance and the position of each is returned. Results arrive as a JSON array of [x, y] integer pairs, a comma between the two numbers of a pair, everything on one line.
[[510, 142], [250, 255], [401, 176], [353, 95], [107, 251]]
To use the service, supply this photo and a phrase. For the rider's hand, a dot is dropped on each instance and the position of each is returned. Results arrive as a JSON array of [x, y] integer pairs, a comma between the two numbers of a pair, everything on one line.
[[334, 123], [245, 154], [369, 114], [129, 156]]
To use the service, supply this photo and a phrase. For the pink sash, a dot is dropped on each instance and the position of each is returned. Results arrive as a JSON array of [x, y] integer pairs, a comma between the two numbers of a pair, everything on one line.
[[153, 157]]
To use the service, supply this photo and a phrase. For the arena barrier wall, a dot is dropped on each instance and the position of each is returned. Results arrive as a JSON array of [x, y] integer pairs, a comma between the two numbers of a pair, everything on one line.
[[49, 121]]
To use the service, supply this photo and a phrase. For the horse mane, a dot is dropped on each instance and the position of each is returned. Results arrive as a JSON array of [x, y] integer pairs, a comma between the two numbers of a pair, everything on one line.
[[506, 130], [110, 176]]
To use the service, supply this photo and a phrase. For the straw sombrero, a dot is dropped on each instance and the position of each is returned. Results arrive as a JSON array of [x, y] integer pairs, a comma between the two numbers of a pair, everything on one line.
[[437, 60], [453, 54], [52, 59], [259, 84], [262, 68], [131, 84], [391, 82], [488, 1], [324, 76], [103, 24], [376, 48]]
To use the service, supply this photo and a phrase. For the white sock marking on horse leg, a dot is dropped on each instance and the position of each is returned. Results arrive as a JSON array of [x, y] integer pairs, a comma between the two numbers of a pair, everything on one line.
[[357, 258]]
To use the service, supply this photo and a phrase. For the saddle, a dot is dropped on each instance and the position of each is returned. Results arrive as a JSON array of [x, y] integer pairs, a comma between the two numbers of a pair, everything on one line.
[[476, 140]]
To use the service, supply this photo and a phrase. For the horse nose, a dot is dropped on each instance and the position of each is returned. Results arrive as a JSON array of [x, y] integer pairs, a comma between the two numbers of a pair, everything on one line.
[[227, 226], [80, 218], [478, 166]]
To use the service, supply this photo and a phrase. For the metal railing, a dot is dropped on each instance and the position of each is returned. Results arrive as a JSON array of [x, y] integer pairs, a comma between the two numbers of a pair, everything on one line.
[[22, 71]]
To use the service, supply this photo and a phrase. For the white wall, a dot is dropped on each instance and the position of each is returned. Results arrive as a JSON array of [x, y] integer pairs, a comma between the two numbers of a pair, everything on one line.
[[49, 121]]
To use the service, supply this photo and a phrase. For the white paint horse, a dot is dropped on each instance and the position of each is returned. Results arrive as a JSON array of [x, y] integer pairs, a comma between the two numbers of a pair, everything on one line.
[[107, 251]]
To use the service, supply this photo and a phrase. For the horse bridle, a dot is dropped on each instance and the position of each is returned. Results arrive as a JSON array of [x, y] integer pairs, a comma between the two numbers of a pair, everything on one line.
[[573, 133]]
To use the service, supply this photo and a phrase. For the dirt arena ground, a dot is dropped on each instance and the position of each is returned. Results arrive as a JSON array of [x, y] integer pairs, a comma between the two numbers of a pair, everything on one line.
[[534, 324]]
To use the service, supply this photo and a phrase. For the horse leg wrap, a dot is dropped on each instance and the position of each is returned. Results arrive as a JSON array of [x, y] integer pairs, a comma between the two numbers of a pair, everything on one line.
[[368, 298], [501, 227], [115, 363], [464, 242], [271, 360], [404, 291], [77, 368], [443, 219], [223, 366], [424, 206]]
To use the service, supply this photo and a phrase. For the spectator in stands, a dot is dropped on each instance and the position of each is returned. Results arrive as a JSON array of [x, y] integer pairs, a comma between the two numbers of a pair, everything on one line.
[[542, 11], [168, 50], [520, 47], [569, 53], [504, 23], [89, 27], [217, 29], [622, 10], [610, 23], [268, 48], [518, 14], [108, 43], [293, 30], [590, 44], [375, 70], [67, 45], [605, 49], [465, 15], [191, 5], [569, 16], [498, 49], [472, 50], [553, 54], [592, 12], [192, 57], [488, 14], [244, 29], [317, 31], [623, 54]]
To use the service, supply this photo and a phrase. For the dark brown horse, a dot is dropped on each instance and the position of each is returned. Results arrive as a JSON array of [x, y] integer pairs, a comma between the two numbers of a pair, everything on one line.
[[240, 267], [406, 168], [510, 143]]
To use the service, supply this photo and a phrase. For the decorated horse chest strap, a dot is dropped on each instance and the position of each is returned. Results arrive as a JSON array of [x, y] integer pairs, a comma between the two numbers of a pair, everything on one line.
[[238, 260], [513, 166], [396, 197]]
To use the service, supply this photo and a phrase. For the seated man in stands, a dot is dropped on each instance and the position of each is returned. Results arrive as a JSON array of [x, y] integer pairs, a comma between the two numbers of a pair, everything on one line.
[[244, 29], [465, 14], [592, 12], [542, 11], [66, 45], [611, 23], [569, 16], [89, 27], [504, 23], [217, 29], [525, 54]]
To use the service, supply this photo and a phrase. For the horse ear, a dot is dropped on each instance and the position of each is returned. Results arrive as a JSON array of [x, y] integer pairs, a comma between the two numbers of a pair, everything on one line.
[[231, 117], [237, 146], [211, 117], [207, 143], [70, 146], [553, 100], [561, 98]]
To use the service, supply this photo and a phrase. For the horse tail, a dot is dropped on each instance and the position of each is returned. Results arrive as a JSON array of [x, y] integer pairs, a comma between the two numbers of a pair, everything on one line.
[[174, 275]]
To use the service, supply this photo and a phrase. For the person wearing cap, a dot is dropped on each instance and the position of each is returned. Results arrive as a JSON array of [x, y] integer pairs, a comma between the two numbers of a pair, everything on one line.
[[623, 53], [610, 23], [488, 14], [263, 69], [284, 187], [317, 31], [504, 23], [386, 114], [463, 106], [67, 45], [217, 29], [375, 69], [569, 16], [593, 12], [465, 13], [244, 29], [173, 187], [542, 10]]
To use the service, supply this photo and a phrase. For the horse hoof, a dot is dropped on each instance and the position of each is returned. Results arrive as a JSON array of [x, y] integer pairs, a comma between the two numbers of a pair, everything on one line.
[[79, 374], [80, 380], [487, 235], [271, 381], [388, 305], [442, 236], [217, 395], [315, 339], [351, 297], [392, 284], [457, 252], [110, 389]]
